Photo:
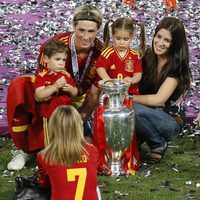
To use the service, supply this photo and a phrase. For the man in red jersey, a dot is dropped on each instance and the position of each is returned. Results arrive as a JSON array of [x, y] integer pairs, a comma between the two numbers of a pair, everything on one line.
[[84, 48]]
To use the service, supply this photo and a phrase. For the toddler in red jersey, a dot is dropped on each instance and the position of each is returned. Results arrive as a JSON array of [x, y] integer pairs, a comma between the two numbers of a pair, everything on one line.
[[119, 60], [54, 86], [68, 163]]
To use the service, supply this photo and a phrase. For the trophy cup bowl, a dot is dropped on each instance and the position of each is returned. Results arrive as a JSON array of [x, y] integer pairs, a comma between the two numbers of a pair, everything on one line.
[[119, 120]]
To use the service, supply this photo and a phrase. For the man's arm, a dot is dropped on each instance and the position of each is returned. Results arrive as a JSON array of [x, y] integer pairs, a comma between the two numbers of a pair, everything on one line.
[[90, 102]]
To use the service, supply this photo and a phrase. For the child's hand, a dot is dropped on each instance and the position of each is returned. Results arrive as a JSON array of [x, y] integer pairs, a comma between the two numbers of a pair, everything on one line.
[[108, 83], [67, 88], [61, 82], [128, 79]]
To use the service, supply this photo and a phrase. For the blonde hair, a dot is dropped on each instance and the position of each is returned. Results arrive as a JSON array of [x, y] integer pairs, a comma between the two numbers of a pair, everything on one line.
[[65, 137], [87, 12]]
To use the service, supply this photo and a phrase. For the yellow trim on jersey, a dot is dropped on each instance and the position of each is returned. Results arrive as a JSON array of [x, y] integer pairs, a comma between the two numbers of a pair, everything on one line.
[[65, 39], [42, 73], [107, 49], [99, 44], [19, 128], [66, 73], [135, 53], [107, 52], [45, 128], [41, 59], [29, 76]]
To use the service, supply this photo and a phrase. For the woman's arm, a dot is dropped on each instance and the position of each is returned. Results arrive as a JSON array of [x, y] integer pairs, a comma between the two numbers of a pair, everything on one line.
[[163, 94]]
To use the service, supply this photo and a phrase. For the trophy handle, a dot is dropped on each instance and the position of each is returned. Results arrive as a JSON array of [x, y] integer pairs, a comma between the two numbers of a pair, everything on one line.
[[101, 101], [127, 96]]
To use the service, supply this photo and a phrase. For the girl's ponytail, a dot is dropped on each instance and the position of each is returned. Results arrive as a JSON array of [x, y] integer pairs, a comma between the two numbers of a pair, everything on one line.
[[142, 45], [106, 33]]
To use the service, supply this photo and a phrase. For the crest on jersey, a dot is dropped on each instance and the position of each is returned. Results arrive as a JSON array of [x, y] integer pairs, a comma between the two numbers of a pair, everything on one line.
[[129, 65]]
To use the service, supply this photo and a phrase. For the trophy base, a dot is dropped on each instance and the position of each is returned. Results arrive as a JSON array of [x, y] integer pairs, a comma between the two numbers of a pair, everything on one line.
[[116, 169]]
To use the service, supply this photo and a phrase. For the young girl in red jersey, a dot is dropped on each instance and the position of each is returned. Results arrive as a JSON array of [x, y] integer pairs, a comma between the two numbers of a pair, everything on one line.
[[122, 62], [67, 162], [119, 60]]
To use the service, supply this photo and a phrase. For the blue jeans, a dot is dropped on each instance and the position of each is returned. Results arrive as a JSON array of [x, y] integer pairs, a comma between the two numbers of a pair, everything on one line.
[[154, 126], [87, 129]]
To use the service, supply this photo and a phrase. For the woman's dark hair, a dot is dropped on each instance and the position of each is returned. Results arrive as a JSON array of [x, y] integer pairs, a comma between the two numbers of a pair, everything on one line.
[[127, 24], [178, 57]]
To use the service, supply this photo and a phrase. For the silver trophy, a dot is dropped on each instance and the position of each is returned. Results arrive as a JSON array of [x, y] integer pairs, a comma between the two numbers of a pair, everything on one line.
[[119, 120]]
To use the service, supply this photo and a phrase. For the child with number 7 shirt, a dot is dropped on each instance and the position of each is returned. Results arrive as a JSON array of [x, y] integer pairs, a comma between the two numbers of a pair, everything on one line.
[[67, 162]]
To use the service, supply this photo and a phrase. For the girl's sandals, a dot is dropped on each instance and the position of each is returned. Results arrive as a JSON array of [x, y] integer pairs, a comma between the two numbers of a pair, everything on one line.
[[155, 155]]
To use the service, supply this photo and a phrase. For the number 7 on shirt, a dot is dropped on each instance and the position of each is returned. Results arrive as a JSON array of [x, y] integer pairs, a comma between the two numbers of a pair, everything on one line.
[[82, 174]]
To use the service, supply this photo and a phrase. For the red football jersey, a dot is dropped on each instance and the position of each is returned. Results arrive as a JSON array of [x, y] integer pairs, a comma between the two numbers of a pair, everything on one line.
[[90, 75], [44, 78], [118, 67], [24, 124], [78, 181]]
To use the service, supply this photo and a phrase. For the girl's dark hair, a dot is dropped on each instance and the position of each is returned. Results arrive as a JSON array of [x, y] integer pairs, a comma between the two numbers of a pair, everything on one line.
[[178, 58], [128, 25], [53, 46]]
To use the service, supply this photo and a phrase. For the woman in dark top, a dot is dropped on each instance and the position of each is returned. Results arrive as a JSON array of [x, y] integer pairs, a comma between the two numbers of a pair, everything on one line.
[[166, 79]]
